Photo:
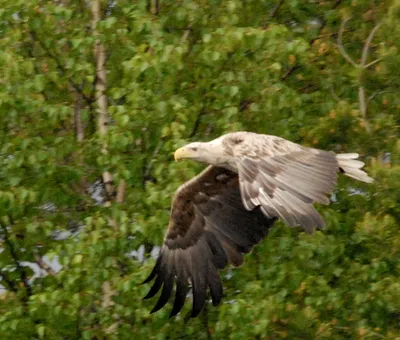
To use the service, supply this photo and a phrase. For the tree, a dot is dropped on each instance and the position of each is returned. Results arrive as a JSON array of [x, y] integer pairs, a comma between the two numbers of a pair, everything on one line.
[[96, 95]]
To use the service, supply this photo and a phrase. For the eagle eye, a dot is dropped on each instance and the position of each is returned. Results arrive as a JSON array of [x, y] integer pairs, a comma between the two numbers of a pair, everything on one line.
[[194, 148]]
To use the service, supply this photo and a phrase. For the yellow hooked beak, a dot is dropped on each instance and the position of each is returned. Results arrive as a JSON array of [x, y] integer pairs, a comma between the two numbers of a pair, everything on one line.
[[182, 153]]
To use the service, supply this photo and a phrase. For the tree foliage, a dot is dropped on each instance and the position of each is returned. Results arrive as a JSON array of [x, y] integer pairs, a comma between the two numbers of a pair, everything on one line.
[[320, 73]]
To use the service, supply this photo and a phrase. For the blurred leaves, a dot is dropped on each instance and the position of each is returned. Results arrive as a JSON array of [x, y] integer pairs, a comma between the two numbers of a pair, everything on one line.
[[192, 70]]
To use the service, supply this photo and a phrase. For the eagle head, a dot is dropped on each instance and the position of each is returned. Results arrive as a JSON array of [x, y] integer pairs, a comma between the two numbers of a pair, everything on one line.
[[212, 152], [190, 151]]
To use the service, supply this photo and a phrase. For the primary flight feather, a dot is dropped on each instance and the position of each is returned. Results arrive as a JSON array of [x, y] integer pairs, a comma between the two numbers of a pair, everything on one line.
[[220, 214]]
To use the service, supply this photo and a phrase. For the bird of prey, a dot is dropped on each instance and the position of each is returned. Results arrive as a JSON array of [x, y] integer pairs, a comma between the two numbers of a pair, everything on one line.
[[219, 215]]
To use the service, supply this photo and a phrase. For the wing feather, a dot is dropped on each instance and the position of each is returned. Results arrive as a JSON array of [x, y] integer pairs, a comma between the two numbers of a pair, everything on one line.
[[199, 277], [166, 292], [215, 284], [219, 257], [155, 287], [209, 228], [182, 289], [285, 179]]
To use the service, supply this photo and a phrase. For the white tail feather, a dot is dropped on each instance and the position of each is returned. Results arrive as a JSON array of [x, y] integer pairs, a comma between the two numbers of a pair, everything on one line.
[[347, 156], [352, 167]]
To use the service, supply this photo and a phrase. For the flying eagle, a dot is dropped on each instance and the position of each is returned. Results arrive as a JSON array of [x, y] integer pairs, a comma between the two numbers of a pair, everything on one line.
[[220, 214]]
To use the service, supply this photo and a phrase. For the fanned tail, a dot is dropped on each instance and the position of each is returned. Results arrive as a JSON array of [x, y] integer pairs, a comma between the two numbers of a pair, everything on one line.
[[351, 167]]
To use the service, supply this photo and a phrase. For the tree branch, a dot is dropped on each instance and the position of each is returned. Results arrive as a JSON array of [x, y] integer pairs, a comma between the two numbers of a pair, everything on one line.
[[43, 265], [275, 10], [364, 56], [290, 71], [149, 167], [197, 122], [20, 269], [79, 129], [363, 106], [155, 6], [377, 94], [121, 192], [372, 63], [59, 66], [108, 293], [336, 5], [186, 33], [80, 136], [365, 51], [11, 285], [340, 44]]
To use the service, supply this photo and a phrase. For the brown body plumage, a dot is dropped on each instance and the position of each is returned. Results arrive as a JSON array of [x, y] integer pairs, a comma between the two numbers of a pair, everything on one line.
[[228, 208]]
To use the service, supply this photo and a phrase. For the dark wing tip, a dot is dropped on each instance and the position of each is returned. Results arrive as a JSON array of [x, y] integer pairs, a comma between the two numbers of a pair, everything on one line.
[[165, 294], [154, 288], [180, 296], [199, 300], [215, 284], [150, 277], [155, 270], [196, 310]]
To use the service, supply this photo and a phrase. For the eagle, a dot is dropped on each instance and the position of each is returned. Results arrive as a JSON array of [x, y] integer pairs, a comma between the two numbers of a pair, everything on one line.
[[251, 181]]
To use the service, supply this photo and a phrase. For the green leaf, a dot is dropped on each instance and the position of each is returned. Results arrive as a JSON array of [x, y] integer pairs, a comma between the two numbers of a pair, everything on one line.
[[14, 181], [41, 331]]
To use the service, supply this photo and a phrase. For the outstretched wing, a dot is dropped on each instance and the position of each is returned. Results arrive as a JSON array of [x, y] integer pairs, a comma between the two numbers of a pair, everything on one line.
[[285, 179], [209, 228]]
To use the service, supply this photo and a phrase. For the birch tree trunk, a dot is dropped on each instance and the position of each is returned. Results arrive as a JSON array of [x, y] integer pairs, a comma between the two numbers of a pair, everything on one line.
[[101, 98]]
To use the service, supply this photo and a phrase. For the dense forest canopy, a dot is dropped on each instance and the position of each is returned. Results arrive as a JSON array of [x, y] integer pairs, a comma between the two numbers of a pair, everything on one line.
[[96, 95]]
